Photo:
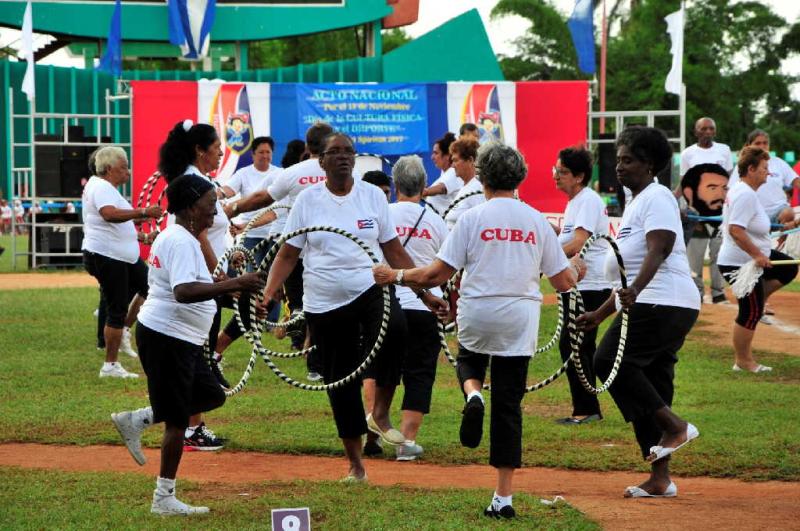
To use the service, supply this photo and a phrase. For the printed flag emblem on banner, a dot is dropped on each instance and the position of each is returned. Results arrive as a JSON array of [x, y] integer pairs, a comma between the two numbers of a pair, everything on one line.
[[490, 106], [239, 112]]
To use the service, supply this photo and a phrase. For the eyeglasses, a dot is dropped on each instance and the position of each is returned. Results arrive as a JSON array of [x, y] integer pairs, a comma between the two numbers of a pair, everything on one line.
[[562, 173], [347, 152]]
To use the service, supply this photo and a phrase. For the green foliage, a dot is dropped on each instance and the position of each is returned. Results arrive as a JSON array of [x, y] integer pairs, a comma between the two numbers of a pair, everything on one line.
[[732, 57]]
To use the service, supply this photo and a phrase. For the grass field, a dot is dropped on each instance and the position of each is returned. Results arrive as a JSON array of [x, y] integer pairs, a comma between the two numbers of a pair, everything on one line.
[[50, 393], [6, 260]]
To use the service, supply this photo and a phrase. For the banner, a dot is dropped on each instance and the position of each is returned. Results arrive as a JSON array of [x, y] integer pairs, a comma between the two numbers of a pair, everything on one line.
[[239, 112], [490, 106], [385, 119]]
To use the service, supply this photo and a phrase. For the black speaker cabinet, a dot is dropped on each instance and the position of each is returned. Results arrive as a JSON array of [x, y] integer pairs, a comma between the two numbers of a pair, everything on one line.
[[606, 165], [48, 171], [51, 237]]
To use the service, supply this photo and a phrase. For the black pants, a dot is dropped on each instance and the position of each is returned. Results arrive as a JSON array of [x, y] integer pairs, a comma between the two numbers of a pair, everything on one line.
[[583, 402], [179, 381], [751, 307], [644, 382], [119, 282], [337, 335], [508, 387], [293, 286], [419, 364], [102, 315]]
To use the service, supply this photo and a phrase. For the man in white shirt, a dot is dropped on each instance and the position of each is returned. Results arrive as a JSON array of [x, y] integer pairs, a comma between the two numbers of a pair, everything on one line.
[[706, 235]]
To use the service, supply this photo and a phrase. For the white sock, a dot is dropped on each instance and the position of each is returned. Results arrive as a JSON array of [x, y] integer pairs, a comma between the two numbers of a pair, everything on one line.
[[190, 431], [126, 330], [108, 365], [498, 502], [475, 393], [217, 357], [165, 487]]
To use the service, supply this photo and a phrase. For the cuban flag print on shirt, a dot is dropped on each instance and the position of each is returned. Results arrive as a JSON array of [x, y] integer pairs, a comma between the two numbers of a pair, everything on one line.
[[365, 224]]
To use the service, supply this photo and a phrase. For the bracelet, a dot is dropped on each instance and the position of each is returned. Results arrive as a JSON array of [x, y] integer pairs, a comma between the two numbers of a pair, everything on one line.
[[422, 293], [399, 278], [144, 213]]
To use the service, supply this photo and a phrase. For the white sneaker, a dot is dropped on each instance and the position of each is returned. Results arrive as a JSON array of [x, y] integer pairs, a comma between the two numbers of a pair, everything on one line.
[[125, 344], [169, 505], [766, 320], [115, 370], [408, 451], [131, 435]]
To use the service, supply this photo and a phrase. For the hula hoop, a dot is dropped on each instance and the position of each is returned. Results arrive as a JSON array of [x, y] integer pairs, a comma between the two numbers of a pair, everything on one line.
[[384, 326], [576, 308], [145, 200], [451, 285], [459, 199]]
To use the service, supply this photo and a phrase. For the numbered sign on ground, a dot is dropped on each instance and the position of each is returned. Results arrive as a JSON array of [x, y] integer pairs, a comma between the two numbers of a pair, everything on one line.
[[291, 519]]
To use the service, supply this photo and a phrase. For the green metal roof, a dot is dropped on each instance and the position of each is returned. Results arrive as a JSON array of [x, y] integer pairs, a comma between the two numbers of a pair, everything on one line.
[[146, 21]]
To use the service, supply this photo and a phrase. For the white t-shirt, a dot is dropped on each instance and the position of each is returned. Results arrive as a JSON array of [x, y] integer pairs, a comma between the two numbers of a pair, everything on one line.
[[475, 200], [743, 208], [502, 245], [246, 181], [452, 183], [114, 240], [716, 154], [176, 259], [218, 232], [655, 208], [771, 193], [6, 212], [287, 186], [19, 211], [423, 244], [336, 270], [588, 212]]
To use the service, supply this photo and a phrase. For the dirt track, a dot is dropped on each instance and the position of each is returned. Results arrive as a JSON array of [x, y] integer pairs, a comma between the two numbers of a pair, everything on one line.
[[702, 503]]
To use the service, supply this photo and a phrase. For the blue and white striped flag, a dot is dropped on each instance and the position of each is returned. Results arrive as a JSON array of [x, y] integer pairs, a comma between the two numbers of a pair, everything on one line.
[[190, 23]]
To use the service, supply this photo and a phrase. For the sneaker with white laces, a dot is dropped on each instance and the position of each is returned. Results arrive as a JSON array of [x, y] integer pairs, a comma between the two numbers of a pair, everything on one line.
[[125, 344], [169, 505], [130, 429], [115, 370], [203, 440], [408, 451]]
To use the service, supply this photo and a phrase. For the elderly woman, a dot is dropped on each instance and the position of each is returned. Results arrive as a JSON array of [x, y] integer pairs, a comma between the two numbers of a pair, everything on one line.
[[444, 189], [173, 325], [662, 303], [463, 153], [340, 299], [585, 215], [111, 251], [422, 233], [195, 149], [745, 233], [503, 246]]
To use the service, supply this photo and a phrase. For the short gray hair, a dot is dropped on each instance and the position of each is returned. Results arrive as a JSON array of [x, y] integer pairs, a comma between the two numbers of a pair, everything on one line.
[[107, 156], [409, 175], [501, 167]]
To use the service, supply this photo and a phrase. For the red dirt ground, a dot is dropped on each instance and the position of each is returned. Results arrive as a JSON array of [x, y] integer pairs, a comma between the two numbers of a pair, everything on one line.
[[702, 503]]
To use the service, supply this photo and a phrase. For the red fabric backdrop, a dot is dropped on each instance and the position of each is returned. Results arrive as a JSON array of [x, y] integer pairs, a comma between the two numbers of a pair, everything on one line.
[[550, 116]]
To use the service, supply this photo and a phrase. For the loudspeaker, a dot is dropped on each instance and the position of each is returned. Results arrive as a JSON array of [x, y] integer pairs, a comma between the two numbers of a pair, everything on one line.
[[51, 237], [73, 171], [607, 165], [48, 171]]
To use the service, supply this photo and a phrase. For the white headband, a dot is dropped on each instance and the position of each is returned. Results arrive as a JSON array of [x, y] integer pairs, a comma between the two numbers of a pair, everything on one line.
[[187, 124]]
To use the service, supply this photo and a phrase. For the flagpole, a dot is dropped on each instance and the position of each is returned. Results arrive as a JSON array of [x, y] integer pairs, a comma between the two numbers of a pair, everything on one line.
[[603, 45]]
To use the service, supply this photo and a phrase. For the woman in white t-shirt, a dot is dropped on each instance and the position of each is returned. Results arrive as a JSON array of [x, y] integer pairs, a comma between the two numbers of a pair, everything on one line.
[[195, 149], [503, 246], [745, 232], [340, 300], [443, 190], [780, 177], [173, 325], [463, 153], [111, 251], [663, 304], [422, 233], [585, 215]]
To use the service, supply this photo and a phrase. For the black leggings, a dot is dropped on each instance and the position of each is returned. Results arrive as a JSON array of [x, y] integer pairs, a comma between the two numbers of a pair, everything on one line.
[[751, 307], [508, 387], [583, 402], [119, 282], [337, 335], [419, 364], [644, 382]]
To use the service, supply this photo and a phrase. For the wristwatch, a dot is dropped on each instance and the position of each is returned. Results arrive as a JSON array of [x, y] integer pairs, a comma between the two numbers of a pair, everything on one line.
[[399, 278]]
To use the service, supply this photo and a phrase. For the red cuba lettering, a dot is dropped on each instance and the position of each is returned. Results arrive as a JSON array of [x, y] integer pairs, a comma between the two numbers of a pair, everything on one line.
[[513, 235], [414, 233], [516, 235], [154, 261], [487, 235], [531, 238], [311, 180]]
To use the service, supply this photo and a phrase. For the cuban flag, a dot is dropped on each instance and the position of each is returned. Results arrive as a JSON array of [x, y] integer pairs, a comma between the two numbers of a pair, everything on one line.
[[190, 23]]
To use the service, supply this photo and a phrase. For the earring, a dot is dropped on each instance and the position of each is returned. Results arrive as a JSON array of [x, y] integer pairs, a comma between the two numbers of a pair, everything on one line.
[[191, 226]]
